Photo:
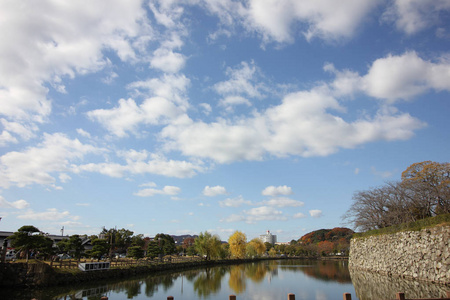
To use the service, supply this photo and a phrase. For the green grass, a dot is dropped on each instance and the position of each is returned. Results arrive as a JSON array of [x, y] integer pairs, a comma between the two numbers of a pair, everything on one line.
[[414, 226]]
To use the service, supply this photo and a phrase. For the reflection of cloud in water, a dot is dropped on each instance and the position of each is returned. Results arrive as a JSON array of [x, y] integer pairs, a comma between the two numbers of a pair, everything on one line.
[[303, 295], [375, 286], [321, 295]]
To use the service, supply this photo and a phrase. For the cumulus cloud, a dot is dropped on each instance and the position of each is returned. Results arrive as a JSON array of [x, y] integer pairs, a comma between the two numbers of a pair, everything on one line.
[[167, 190], [38, 164], [164, 102], [275, 191], [395, 77], [262, 213], [49, 42], [19, 204], [302, 124], [277, 21], [299, 216], [315, 213], [234, 202], [412, 16], [143, 162], [128, 115], [52, 214], [283, 202], [214, 191], [243, 80]]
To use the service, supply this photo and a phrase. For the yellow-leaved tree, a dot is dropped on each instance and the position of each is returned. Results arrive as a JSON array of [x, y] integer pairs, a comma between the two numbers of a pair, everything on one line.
[[237, 242], [255, 247]]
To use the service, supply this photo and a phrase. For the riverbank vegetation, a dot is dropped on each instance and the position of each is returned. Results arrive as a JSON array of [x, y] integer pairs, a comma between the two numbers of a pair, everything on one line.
[[440, 220], [423, 192]]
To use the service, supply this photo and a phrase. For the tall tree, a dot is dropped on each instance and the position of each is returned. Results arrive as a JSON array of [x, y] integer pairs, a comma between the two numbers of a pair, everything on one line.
[[433, 178], [208, 245], [27, 238], [423, 192], [100, 247], [255, 247], [135, 252], [153, 249], [237, 241], [166, 243], [73, 246]]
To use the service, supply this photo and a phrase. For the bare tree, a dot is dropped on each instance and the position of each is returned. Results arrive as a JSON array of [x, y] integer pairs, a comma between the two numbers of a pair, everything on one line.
[[423, 192]]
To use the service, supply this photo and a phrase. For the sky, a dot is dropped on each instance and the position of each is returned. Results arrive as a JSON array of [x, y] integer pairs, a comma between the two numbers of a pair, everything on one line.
[[185, 116]]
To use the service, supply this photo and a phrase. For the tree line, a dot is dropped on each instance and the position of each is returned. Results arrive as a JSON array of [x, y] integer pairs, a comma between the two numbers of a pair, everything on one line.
[[29, 241], [424, 191]]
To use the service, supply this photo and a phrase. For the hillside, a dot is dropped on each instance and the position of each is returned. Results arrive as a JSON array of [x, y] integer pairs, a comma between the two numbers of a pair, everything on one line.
[[329, 235]]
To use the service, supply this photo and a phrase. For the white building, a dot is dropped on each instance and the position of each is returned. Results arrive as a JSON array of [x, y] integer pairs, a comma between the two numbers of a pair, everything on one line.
[[268, 238]]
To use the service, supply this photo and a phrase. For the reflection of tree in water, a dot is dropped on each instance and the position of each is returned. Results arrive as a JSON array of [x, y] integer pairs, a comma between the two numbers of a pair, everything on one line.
[[192, 274], [329, 271], [131, 288], [256, 271], [237, 279], [323, 270], [209, 281], [152, 283]]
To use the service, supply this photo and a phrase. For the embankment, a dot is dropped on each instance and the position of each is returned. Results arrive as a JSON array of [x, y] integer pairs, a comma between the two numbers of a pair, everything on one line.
[[420, 255], [15, 275]]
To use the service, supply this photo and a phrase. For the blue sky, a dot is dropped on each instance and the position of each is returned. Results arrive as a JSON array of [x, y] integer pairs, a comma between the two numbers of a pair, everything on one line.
[[206, 115]]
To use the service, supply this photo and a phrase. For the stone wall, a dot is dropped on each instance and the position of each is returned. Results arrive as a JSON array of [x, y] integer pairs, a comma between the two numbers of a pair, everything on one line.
[[421, 255]]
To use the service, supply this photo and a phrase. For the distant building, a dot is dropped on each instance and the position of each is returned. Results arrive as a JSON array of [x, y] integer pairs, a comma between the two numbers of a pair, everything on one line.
[[268, 238]]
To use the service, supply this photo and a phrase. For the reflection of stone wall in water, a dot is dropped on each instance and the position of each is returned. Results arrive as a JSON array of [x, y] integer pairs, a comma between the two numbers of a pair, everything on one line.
[[422, 255], [375, 286]]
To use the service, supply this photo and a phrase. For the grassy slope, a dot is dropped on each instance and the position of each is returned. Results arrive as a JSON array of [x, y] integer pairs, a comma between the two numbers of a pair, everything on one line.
[[415, 226]]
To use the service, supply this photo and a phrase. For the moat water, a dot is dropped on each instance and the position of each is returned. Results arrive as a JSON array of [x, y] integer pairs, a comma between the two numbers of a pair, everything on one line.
[[265, 280]]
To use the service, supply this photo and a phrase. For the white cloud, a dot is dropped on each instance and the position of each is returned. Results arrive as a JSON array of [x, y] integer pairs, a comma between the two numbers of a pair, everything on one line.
[[144, 163], [299, 216], [167, 61], [83, 204], [395, 77], [6, 138], [283, 202], [37, 164], [164, 102], [49, 42], [167, 190], [19, 204], [149, 184], [63, 177], [315, 213], [52, 214], [127, 116], [214, 191], [234, 202], [405, 76], [24, 130], [412, 16], [169, 86], [243, 81], [277, 20], [275, 191], [262, 213], [233, 218], [83, 133], [206, 108], [303, 124]]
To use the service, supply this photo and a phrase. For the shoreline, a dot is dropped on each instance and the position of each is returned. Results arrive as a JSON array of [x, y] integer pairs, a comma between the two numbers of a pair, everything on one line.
[[37, 275]]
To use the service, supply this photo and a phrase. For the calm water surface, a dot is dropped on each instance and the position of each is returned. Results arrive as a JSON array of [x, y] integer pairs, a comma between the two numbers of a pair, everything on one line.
[[267, 280]]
